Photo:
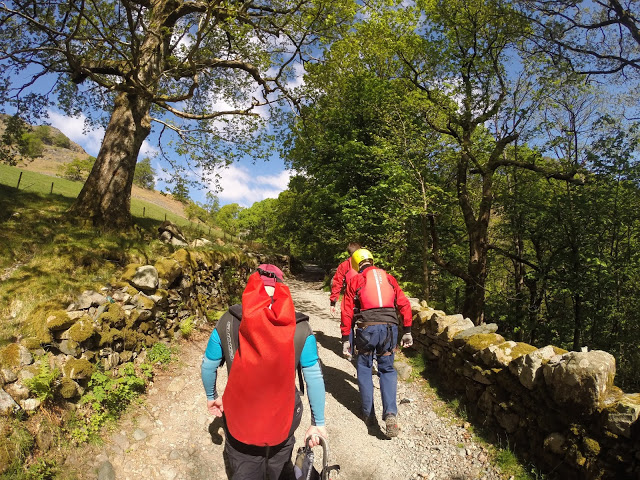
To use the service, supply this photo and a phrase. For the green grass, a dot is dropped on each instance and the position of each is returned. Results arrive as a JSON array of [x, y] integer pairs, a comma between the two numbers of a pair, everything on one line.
[[144, 212], [44, 257]]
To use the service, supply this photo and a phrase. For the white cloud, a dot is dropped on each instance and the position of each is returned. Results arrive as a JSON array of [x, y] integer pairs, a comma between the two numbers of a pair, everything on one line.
[[239, 185], [74, 128]]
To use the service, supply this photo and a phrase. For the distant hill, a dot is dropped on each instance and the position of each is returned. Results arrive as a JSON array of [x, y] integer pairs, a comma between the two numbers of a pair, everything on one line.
[[54, 156]]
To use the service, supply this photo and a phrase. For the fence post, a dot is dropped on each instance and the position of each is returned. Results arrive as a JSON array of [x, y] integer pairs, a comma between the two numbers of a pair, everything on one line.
[[51, 192], [165, 217], [19, 178], [143, 210]]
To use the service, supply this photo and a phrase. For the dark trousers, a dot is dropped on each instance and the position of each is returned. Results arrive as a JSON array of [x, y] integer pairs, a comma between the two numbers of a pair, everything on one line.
[[246, 464]]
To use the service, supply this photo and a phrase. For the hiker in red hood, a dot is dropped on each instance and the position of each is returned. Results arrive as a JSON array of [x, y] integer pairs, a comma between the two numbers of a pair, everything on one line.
[[376, 297], [263, 341], [342, 276]]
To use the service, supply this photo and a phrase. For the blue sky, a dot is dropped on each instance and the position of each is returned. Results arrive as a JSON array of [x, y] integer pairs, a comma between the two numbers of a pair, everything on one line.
[[244, 182]]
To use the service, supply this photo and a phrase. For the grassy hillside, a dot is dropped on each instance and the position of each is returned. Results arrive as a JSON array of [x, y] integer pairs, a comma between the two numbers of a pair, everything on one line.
[[46, 256]]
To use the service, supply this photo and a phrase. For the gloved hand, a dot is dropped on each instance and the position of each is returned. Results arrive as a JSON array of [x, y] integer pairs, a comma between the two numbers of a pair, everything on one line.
[[346, 347], [407, 340]]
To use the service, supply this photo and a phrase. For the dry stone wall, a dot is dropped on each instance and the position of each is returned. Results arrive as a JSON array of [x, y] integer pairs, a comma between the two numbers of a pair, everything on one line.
[[106, 328], [559, 409]]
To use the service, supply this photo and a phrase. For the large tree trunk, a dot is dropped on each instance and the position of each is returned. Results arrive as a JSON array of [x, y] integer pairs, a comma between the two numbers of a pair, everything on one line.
[[474, 291], [106, 195], [425, 259]]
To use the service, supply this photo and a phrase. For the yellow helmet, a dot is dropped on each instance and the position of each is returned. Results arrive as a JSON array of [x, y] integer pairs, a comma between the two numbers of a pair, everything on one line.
[[360, 256]]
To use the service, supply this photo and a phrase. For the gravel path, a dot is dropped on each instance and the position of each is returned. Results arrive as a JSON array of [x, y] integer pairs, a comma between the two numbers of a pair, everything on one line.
[[171, 436]]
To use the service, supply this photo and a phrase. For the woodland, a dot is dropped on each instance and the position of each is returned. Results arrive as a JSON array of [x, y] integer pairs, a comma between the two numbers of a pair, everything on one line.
[[484, 150]]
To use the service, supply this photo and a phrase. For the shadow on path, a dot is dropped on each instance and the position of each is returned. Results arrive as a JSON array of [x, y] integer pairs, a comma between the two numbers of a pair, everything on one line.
[[342, 385]]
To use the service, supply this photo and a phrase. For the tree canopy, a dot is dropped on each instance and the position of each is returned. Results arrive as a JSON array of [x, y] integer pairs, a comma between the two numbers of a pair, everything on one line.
[[170, 63]]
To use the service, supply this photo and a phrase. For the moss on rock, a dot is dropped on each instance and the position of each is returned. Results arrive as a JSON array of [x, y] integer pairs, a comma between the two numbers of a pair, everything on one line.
[[133, 340], [78, 368], [58, 320], [81, 330], [10, 355], [108, 336], [479, 342], [68, 388], [113, 316], [591, 447], [130, 271], [522, 349]]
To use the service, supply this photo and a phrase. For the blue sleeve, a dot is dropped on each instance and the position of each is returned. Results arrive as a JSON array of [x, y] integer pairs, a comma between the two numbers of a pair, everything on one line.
[[214, 347], [314, 381], [210, 363], [309, 354]]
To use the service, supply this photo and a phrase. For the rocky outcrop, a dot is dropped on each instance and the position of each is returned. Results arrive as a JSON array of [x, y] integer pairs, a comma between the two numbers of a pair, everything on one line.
[[561, 409]]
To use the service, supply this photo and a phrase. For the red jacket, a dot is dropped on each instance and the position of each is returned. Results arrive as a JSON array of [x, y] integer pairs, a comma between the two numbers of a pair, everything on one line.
[[401, 302], [343, 273]]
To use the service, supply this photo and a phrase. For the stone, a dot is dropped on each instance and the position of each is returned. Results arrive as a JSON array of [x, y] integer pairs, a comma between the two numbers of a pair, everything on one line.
[[145, 278], [508, 421], [415, 305], [480, 341], [461, 337], [580, 379], [18, 391], [404, 370], [7, 404], [623, 415], [30, 404], [200, 242], [139, 434], [528, 368], [89, 298], [70, 347], [106, 471], [446, 326], [501, 355], [555, 443], [8, 375]]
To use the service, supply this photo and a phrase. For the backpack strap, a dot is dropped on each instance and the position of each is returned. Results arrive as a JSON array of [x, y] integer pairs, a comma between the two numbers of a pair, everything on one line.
[[303, 330], [228, 327]]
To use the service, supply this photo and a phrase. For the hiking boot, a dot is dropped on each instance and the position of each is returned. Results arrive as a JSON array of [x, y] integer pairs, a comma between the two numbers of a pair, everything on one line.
[[392, 425]]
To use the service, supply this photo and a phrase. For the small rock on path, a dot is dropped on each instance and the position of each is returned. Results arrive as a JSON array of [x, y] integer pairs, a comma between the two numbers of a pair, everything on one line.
[[171, 436]]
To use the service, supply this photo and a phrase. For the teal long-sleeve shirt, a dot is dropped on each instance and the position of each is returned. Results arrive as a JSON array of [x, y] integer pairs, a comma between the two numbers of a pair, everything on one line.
[[311, 371]]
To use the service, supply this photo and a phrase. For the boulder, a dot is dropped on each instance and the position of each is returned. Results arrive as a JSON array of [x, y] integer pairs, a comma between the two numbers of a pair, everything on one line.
[[528, 367], [145, 278], [461, 337], [501, 355], [446, 326], [168, 270], [623, 415], [173, 231], [579, 380]]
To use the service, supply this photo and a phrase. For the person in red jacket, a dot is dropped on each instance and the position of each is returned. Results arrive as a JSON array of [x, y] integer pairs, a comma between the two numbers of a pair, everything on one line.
[[377, 298], [343, 274]]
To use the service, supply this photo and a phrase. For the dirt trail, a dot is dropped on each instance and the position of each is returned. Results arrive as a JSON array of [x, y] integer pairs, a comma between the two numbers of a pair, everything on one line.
[[171, 436]]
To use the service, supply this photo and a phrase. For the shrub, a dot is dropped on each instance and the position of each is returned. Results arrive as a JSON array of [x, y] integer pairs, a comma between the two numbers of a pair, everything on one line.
[[186, 326], [43, 384], [160, 352]]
